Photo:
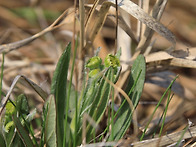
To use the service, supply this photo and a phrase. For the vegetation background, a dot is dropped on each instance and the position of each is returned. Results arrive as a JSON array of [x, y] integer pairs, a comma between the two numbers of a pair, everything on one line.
[[37, 60]]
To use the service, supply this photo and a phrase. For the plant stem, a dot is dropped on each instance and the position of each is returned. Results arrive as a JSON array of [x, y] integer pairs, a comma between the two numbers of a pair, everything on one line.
[[2, 68]]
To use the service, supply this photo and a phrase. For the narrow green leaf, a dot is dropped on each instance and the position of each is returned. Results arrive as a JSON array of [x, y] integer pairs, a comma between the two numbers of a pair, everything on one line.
[[50, 126], [102, 97], [22, 132], [151, 117], [89, 94], [124, 117], [100, 101], [58, 88], [169, 97]]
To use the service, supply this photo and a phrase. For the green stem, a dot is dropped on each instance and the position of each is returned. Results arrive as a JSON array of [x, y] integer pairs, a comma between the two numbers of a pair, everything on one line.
[[112, 116], [2, 68]]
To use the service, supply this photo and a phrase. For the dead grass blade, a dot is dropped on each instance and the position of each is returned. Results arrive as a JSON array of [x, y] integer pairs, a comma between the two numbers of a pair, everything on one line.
[[82, 32], [167, 139], [90, 14], [15, 45], [165, 60], [111, 16], [101, 16], [22, 78], [136, 12], [142, 16], [101, 144], [148, 33]]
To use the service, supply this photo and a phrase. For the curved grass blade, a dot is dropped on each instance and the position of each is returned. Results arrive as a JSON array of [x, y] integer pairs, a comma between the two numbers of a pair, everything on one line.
[[137, 78], [58, 88]]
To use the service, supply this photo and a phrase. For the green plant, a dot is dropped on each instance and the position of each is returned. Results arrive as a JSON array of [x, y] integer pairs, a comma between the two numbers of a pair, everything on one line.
[[65, 109], [17, 116]]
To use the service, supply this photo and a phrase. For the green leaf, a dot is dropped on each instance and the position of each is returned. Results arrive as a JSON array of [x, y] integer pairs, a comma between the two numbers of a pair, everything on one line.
[[22, 104], [138, 69], [100, 100], [22, 132], [58, 88], [102, 97], [2, 141], [88, 96], [50, 126], [124, 117]]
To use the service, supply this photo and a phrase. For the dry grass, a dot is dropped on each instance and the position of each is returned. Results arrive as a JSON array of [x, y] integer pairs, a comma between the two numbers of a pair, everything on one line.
[[37, 60]]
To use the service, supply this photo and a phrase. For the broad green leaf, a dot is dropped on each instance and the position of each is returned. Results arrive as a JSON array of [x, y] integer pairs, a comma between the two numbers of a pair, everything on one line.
[[124, 116], [58, 89], [138, 69], [50, 126], [22, 132]]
